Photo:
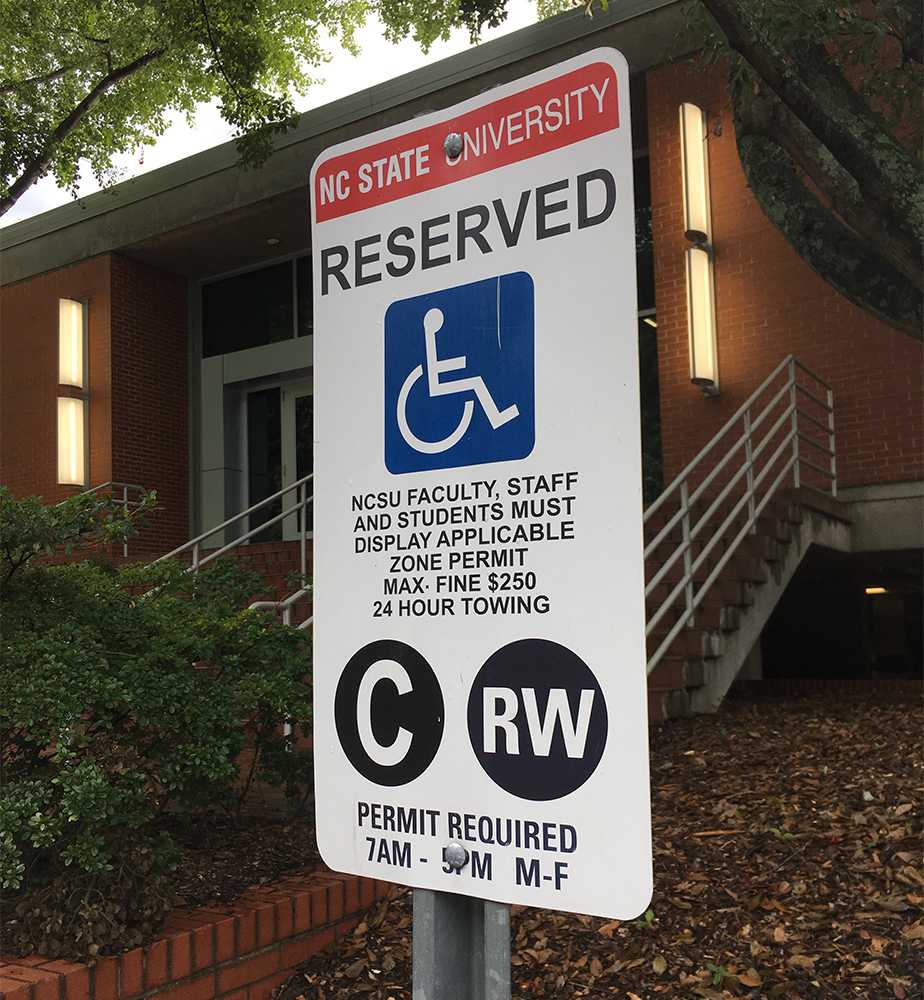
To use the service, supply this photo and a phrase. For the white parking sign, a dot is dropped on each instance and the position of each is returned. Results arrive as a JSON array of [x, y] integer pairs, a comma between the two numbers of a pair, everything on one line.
[[479, 650]]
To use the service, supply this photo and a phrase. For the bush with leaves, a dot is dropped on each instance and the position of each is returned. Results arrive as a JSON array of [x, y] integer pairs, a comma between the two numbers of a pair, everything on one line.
[[124, 693]]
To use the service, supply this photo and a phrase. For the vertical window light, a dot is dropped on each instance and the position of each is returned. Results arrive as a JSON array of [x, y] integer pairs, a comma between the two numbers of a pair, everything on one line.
[[72, 408], [71, 317], [697, 225], [704, 369], [71, 438], [697, 218]]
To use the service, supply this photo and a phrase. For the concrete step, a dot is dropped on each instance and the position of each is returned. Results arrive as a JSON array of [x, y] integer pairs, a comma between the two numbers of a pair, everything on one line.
[[778, 528], [819, 503], [759, 542], [697, 643], [666, 704], [674, 672], [775, 521], [762, 547], [674, 538], [736, 592], [742, 567], [711, 614], [794, 512]]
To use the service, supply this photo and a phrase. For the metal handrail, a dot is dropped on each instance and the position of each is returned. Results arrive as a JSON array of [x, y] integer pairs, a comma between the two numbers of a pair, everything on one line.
[[297, 508], [113, 486], [302, 500], [285, 606], [691, 484], [738, 414], [110, 484]]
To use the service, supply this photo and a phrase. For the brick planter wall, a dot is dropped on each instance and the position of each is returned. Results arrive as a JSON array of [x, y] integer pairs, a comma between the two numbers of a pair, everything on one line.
[[241, 951]]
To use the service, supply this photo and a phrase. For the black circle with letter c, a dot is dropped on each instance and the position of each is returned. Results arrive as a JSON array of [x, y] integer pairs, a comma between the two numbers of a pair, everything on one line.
[[389, 714]]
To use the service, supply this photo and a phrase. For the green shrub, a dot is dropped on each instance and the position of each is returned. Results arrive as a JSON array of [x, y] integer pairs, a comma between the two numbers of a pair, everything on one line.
[[124, 693]]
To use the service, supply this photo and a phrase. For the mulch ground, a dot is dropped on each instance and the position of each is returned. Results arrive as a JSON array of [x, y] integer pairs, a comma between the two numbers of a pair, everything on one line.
[[787, 842], [220, 857]]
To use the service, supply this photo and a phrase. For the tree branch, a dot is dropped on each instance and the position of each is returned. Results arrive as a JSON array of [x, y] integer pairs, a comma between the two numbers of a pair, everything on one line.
[[827, 245], [8, 86], [38, 166], [214, 46], [759, 112], [817, 93]]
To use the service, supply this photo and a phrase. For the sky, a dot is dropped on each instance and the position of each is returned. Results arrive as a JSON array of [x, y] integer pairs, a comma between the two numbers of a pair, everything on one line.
[[344, 74]]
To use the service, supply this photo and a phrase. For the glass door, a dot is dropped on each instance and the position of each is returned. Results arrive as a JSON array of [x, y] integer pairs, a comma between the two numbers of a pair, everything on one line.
[[297, 447], [264, 459]]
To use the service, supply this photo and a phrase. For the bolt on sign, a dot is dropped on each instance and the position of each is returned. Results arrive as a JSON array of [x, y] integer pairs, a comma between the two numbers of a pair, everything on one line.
[[479, 650]]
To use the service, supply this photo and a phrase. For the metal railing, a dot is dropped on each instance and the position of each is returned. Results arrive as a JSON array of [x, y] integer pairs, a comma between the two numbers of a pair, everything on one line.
[[126, 492], [298, 508], [770, 437]]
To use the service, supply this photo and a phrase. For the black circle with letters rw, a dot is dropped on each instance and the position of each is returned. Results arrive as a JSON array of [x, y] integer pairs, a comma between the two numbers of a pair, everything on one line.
[[521, 703], [420, 712]]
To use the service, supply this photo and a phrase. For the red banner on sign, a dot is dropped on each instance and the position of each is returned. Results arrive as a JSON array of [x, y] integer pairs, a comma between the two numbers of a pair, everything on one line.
[[549, 116]]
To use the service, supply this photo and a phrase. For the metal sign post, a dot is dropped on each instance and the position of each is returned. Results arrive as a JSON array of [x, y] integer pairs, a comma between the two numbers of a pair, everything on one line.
[[461, 947], [479, 639]]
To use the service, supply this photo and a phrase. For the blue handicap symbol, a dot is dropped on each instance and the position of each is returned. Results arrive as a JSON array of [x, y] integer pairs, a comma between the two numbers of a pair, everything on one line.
[[460, 376]]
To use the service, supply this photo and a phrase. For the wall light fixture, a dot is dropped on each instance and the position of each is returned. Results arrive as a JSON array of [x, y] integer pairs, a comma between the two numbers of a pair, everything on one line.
[[73, 406], [697, 222], [704, 367], [72, 335], [71, 441], [694, 151]]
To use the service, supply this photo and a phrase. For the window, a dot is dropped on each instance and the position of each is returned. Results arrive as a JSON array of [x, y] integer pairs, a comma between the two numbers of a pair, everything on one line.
[[257, 308], [304, 291]]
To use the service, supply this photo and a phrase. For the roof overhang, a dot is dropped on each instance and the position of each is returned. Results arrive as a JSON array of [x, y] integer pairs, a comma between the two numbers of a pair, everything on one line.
[[206, 215]]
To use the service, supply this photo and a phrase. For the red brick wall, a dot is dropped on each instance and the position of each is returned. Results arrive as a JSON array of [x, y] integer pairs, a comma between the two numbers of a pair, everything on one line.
[[137, 368], [769, 304], [29, 377], [150, 393]]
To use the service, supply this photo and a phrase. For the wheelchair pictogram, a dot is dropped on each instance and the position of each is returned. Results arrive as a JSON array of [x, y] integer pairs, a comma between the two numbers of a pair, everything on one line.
[[482, 333], [459, 375], [433, 323]]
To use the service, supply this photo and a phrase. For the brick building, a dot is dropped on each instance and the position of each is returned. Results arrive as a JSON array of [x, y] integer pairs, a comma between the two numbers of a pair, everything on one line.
[[196, 285]]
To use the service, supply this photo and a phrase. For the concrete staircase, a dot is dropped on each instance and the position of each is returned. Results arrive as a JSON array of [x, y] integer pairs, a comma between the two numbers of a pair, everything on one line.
[[725, 536], [706, 656]]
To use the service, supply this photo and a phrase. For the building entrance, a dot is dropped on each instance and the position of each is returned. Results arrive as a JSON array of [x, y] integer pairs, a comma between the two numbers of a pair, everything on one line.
[[279, 452], [297, 447]]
